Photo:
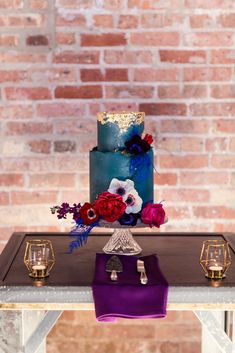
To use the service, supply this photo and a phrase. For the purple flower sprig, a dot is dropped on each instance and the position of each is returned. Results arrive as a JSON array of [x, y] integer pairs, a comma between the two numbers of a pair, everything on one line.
[[65, 208]]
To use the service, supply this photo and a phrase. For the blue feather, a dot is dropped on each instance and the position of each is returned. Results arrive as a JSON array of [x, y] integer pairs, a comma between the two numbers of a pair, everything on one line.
[[80, 233], [140, 165]]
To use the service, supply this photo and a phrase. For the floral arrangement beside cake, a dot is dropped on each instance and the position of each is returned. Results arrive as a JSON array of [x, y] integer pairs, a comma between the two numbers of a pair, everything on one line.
[[121, 179]]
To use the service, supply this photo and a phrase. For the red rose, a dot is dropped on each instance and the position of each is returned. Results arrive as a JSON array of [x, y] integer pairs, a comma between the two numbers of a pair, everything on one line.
[[110, 206], [148, 138], [88, 213], [153, 214]]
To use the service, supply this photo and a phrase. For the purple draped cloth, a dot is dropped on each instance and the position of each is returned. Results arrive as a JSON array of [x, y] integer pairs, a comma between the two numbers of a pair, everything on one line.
[[128, 298]]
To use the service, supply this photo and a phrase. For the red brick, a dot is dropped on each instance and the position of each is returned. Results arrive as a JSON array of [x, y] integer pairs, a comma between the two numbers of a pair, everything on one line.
[[71, 57], [165, 178], [233, 178], [40, 146], [33, 197], [11, 4], [223, 161], [223, 91], [191, 144], [38, 4], [10, 57], [155, 39], [128, 91], [183, 56], [52, 180], [232, 144], [204, 178], [163, 108], [210, 4], [178, 212], [207, 73], [53, 75], [227, 20], [37, 40], [151, 74], [29, 20], [12, 112], [76, 4], [65, 38], [187, 91], [163, 20], [216, 144], [103, 40], [201, 21], [109, 75], [128, 57], [9, 40], [73, 92], [214, 212], [170, 347], [186, 195], [187, 161], [222, 227], [27, 93], [127, 21], [120, 106], [212, 109], [103, 21], [185, 126], [70, 19], [211, 39], [62, 146], [225, 56], [11, 180], [18, 128], [60, 110], [187, 347], [4, 198], [13, 75], [153, 4], [227, 126], [114, 4]]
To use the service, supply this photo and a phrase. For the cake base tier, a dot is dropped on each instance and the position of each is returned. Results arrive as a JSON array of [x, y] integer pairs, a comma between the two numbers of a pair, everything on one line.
[[104, 166]]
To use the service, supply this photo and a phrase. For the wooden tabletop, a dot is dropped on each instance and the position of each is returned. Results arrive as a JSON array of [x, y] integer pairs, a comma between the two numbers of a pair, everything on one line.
[[178, 255]]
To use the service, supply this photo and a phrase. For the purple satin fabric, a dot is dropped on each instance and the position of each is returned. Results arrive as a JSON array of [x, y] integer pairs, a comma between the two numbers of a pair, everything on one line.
[[128, 298]]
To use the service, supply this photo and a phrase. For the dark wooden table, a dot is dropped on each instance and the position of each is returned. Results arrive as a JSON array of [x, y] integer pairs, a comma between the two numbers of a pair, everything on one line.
[[178, 254], [69, 283]]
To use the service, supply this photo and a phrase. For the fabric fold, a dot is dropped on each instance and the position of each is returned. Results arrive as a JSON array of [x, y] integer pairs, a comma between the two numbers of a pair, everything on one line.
[[128, 298]]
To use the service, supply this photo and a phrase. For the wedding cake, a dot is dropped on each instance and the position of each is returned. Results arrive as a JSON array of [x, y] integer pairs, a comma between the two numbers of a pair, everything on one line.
[[121, 180], [122, 154]]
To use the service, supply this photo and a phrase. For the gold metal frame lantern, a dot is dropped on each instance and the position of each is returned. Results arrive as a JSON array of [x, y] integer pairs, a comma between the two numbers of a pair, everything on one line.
[[215, 258], [39, 257]]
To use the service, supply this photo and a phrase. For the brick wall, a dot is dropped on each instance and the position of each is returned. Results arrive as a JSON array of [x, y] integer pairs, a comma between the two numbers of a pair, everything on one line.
[[62, 61]]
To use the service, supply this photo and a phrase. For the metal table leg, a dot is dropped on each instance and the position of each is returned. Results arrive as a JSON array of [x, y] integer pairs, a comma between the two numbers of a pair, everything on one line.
[[214, 337], [25, 331]]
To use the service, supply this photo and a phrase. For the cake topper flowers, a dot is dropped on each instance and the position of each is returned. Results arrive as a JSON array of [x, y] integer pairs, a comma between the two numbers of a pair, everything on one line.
[[123, 205]]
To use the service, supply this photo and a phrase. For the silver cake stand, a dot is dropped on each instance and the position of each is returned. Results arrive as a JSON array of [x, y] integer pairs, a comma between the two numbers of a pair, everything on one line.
[[121, 241]]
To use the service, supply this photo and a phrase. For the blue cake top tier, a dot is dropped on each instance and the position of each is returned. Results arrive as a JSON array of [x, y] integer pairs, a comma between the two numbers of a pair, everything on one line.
[[115, 128]]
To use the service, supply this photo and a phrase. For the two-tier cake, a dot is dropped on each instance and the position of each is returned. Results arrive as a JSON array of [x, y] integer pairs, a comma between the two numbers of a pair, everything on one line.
[[122, 154]]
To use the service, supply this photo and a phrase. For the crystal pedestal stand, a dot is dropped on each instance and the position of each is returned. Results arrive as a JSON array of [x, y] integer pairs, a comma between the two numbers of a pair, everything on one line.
[[122, 243]]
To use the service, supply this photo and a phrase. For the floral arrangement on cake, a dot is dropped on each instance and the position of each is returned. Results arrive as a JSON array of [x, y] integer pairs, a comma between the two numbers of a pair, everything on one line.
[[119, 205]]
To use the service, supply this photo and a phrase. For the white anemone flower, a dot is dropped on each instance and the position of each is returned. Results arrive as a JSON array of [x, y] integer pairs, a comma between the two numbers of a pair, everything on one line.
[[133, 202], [120, 187]]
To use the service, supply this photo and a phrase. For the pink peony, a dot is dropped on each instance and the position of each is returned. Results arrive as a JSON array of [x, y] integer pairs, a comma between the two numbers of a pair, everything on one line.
[[153, 214]]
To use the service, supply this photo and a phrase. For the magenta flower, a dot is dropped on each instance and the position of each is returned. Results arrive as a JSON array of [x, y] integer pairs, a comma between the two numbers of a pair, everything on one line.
[[153, 214]]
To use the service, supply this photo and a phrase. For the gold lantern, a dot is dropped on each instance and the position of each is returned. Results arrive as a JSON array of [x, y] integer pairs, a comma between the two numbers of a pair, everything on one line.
[[215, 258], [39, 258]]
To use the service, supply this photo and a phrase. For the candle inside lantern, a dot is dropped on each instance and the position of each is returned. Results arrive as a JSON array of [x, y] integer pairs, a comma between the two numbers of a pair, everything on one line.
[[215, 269], [39, 267]]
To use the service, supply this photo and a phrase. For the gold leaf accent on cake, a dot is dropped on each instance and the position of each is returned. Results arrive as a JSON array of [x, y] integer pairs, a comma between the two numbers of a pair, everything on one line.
[[122, 119]]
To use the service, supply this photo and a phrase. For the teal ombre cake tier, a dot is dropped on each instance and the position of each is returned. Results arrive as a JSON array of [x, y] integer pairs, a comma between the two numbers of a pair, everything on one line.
[[114, 129], [104, 166]]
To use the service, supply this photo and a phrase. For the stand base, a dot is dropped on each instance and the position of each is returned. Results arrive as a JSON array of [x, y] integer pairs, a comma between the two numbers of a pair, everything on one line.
[[122, 243]]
